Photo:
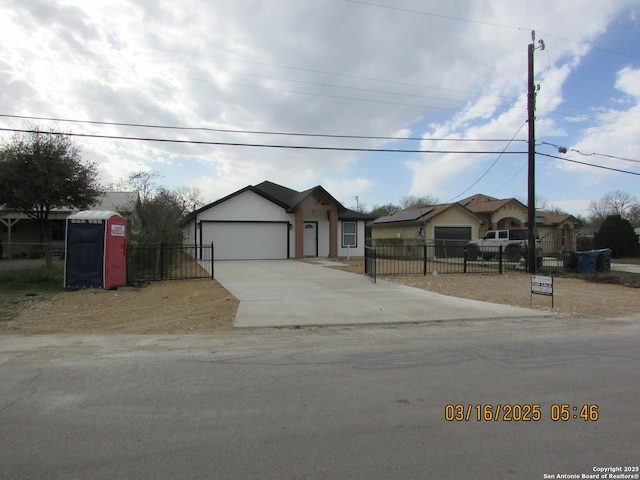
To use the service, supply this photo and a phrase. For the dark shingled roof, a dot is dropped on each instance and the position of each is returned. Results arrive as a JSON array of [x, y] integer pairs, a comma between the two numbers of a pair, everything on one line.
[[282, 195], [287, 199]]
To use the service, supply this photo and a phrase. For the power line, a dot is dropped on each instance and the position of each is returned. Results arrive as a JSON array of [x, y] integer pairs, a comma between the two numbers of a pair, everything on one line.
[[479, 22], [252, 132], [258, 145], [510, 178], [428, 14], [588, 164], [301, 147], [559, 147], [285, 67], [490, 167]]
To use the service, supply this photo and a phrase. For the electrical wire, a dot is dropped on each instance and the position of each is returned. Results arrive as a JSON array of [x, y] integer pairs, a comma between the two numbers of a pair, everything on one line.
[[479, 22], [285, 67], [257, 145], [428, 14], [588, 164], [590, 154], [510, 178], [252, 132], [490, 167]]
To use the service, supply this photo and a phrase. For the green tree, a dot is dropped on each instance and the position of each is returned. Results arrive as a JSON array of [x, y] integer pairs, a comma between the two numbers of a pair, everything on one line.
[[384, 210], [617, 234], [42, 171], [418, 201]]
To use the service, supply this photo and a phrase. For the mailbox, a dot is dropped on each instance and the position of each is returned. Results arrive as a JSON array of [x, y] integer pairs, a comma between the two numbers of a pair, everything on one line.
[[95, 250]]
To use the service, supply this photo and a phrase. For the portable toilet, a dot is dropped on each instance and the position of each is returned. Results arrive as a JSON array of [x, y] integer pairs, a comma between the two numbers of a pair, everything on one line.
[[95, 250]]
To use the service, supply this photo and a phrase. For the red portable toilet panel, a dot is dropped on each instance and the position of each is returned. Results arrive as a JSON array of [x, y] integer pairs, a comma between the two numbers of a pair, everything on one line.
[[115, 252]]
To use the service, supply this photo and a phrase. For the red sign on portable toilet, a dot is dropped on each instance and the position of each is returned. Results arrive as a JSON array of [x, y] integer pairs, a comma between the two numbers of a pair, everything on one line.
[[95, 250]]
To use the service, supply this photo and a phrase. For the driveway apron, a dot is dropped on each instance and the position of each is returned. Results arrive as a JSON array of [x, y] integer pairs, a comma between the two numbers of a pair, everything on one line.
[[289, 293]]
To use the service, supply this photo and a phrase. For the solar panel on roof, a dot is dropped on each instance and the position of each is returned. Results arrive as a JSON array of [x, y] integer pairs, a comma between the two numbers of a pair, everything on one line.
[[408, 215]]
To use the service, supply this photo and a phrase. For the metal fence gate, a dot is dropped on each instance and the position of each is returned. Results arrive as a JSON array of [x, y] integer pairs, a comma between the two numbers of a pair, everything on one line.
[[147, 263], [439, 257]]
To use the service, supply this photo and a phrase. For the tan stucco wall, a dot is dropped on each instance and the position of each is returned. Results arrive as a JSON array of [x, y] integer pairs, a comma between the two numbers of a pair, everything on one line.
[[394, 231], [510, 216], [552, 238], [452, 217]]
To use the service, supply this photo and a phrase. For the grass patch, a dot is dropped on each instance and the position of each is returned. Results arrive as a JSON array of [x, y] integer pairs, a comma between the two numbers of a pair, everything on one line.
[[19, 286], [47, 278]]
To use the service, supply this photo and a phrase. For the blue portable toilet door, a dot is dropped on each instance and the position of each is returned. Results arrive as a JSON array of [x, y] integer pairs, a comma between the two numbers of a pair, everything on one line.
[[84, 266]]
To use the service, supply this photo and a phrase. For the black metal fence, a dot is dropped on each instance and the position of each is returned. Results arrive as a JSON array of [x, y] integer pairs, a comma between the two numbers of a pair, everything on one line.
[[370, 262], [444, 257], [147, 263]]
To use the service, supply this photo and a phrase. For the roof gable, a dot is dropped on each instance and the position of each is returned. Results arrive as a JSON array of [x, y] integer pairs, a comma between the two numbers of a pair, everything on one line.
[[320, 193], [284, 197], [480, 203], [557, 219]]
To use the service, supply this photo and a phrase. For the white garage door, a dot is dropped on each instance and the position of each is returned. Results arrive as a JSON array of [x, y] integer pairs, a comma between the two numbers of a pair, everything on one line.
[[246, 240]]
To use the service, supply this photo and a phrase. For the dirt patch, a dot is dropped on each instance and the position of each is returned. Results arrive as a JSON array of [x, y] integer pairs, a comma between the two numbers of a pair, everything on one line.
[[572, 296], [204, 306], [181, 306]]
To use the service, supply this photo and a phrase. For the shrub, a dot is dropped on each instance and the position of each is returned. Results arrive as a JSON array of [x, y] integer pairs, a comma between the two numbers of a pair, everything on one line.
[[617, 234]]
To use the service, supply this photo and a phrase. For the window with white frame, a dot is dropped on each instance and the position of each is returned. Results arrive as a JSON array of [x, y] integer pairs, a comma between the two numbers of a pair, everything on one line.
[[349, 234]]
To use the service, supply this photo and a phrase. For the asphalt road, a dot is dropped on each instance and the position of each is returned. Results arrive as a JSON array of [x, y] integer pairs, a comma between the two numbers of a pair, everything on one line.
[[344, 403]]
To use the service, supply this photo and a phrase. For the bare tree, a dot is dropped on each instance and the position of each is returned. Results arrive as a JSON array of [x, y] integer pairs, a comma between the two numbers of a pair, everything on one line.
[[615, 203], [160, 210]]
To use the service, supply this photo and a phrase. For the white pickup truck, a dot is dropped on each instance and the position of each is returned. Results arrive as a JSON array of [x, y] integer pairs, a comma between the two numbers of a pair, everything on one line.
[[513, 242]]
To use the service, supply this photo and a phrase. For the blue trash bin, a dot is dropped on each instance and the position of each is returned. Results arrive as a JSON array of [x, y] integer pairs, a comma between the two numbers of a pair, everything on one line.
[[603, 261], [587, 261]]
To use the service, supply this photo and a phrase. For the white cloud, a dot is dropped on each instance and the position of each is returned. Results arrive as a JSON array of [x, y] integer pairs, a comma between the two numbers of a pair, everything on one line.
[[319, 66]]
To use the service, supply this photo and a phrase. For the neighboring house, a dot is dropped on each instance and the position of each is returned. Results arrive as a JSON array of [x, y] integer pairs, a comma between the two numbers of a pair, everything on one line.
[[470, 219], [269, 221], [557, 233], [429, 224], [497, 214], [21, 235]]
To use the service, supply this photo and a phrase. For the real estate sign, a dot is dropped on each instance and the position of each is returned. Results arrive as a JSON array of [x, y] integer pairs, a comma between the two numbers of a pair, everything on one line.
[[541, 285]]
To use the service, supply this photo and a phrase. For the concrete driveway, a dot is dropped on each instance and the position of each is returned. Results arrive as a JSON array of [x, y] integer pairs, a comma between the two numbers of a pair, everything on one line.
[[279, 293]]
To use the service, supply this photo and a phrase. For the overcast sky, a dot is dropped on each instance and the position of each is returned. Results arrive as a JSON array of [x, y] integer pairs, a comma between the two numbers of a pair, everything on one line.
[[408, 69]]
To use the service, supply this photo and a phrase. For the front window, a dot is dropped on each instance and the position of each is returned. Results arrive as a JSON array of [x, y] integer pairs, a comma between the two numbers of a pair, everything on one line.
[[57, 230], [349, 234]]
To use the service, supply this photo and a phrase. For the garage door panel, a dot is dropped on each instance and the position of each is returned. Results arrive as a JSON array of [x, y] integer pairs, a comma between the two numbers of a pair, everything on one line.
[[247, 240], [450, 241], [452, 233]]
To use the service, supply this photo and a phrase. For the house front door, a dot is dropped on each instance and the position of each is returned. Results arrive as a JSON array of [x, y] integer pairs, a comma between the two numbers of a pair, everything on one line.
[[310, 239]]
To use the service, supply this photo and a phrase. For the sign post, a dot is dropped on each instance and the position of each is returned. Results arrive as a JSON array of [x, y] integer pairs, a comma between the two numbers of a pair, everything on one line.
[[542, 286]]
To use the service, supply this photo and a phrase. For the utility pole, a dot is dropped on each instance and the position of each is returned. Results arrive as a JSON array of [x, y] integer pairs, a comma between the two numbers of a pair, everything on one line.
[[531, 198]]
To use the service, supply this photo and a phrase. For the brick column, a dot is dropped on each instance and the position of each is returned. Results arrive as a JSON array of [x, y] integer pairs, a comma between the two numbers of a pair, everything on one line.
[[299, 235], [333, 232]]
